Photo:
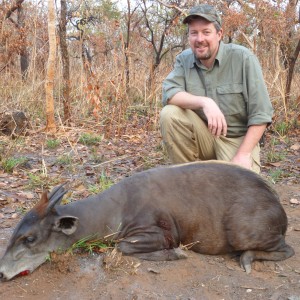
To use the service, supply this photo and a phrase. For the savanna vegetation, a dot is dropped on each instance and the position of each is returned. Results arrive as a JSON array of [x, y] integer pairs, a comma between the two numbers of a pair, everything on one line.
[[92, 72]]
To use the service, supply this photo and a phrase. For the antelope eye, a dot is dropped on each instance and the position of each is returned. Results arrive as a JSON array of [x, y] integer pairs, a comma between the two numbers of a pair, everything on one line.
[[29, 239]]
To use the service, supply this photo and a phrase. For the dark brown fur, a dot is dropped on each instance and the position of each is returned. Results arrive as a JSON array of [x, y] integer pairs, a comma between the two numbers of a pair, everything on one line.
[[215, 207]]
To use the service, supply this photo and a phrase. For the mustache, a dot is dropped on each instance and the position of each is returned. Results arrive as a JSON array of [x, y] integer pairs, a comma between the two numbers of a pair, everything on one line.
[[199, 44]]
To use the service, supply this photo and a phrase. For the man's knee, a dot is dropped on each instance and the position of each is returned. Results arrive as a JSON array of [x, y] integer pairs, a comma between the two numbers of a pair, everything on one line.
[[169, 113], [176, 131]]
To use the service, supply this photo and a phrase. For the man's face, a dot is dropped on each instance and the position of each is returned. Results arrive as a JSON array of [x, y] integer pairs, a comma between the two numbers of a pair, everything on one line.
[[204, 40]]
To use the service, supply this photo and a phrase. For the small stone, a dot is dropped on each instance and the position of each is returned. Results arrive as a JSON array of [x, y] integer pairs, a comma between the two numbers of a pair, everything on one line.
[[294, 201], [294, 298], [8, 210], [151, 270], [14, 216]]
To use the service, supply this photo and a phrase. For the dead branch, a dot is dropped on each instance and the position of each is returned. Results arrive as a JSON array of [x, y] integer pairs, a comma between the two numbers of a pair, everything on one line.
[[182, 11], [14, 7]]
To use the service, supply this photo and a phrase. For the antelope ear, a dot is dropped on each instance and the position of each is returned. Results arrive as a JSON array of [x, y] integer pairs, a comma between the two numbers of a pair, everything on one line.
[[55, 197], [66, 224]]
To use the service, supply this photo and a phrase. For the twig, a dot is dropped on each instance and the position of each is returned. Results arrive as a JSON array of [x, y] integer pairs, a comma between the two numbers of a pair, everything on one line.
[[112, 160], [188, 246], [173, 6], [109, 235], [21, 288], [252, 288]]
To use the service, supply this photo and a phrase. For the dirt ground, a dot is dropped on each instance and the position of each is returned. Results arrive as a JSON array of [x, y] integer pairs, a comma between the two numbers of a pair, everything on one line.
[[102, 276]]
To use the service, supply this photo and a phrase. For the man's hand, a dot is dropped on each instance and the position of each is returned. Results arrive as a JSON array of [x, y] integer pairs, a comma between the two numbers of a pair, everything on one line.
[[215, 119], [243, 154], [243, 159]]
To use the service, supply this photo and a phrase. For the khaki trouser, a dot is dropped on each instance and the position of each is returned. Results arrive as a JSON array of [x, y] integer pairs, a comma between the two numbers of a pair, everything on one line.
[[186, 138]]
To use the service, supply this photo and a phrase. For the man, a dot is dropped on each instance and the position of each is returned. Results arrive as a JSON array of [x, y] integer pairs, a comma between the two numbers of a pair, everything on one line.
[[216, 104]]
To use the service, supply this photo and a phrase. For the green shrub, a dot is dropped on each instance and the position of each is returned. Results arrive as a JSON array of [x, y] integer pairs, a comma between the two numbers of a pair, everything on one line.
[[52, 144], [9, 164], [90, 139]]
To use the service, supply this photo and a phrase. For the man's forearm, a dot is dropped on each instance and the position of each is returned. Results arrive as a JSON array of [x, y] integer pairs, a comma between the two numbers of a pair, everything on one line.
[[187, 100], [251, 139]]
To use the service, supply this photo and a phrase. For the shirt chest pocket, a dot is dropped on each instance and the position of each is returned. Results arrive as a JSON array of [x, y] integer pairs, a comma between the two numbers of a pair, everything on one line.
[[195, 89], [231, 100]]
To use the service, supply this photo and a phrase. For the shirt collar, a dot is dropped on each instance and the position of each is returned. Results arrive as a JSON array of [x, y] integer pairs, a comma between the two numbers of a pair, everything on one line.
[[220, 53], [219, 56]]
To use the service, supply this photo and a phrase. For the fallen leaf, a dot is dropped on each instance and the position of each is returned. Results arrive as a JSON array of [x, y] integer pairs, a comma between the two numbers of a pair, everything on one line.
[[295, 147], [27, 195], [80, 188], [276, 164], [89, 172]]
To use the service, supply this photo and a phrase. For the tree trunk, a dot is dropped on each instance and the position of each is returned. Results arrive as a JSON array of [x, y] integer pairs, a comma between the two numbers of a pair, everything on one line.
[[292, 56], [65, 62], [24, 60], [49, 85], [291, 67], [126, 47]]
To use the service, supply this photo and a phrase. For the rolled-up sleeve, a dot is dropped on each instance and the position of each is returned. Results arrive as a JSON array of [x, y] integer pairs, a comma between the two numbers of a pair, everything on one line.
[[260, 110], [174, 82]]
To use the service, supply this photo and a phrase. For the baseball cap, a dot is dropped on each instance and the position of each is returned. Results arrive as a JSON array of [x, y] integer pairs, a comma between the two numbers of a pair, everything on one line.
[[205, 11]]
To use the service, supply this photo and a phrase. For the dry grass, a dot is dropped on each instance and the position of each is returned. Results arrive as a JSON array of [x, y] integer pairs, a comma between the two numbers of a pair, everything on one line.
[[101, 94], [115, 261]]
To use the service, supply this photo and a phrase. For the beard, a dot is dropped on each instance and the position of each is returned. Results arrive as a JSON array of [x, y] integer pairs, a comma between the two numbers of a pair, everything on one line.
[[202, 56]]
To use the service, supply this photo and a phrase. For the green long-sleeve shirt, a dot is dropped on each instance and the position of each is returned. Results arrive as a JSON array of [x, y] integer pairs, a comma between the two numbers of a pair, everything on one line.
[[235, 83]]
